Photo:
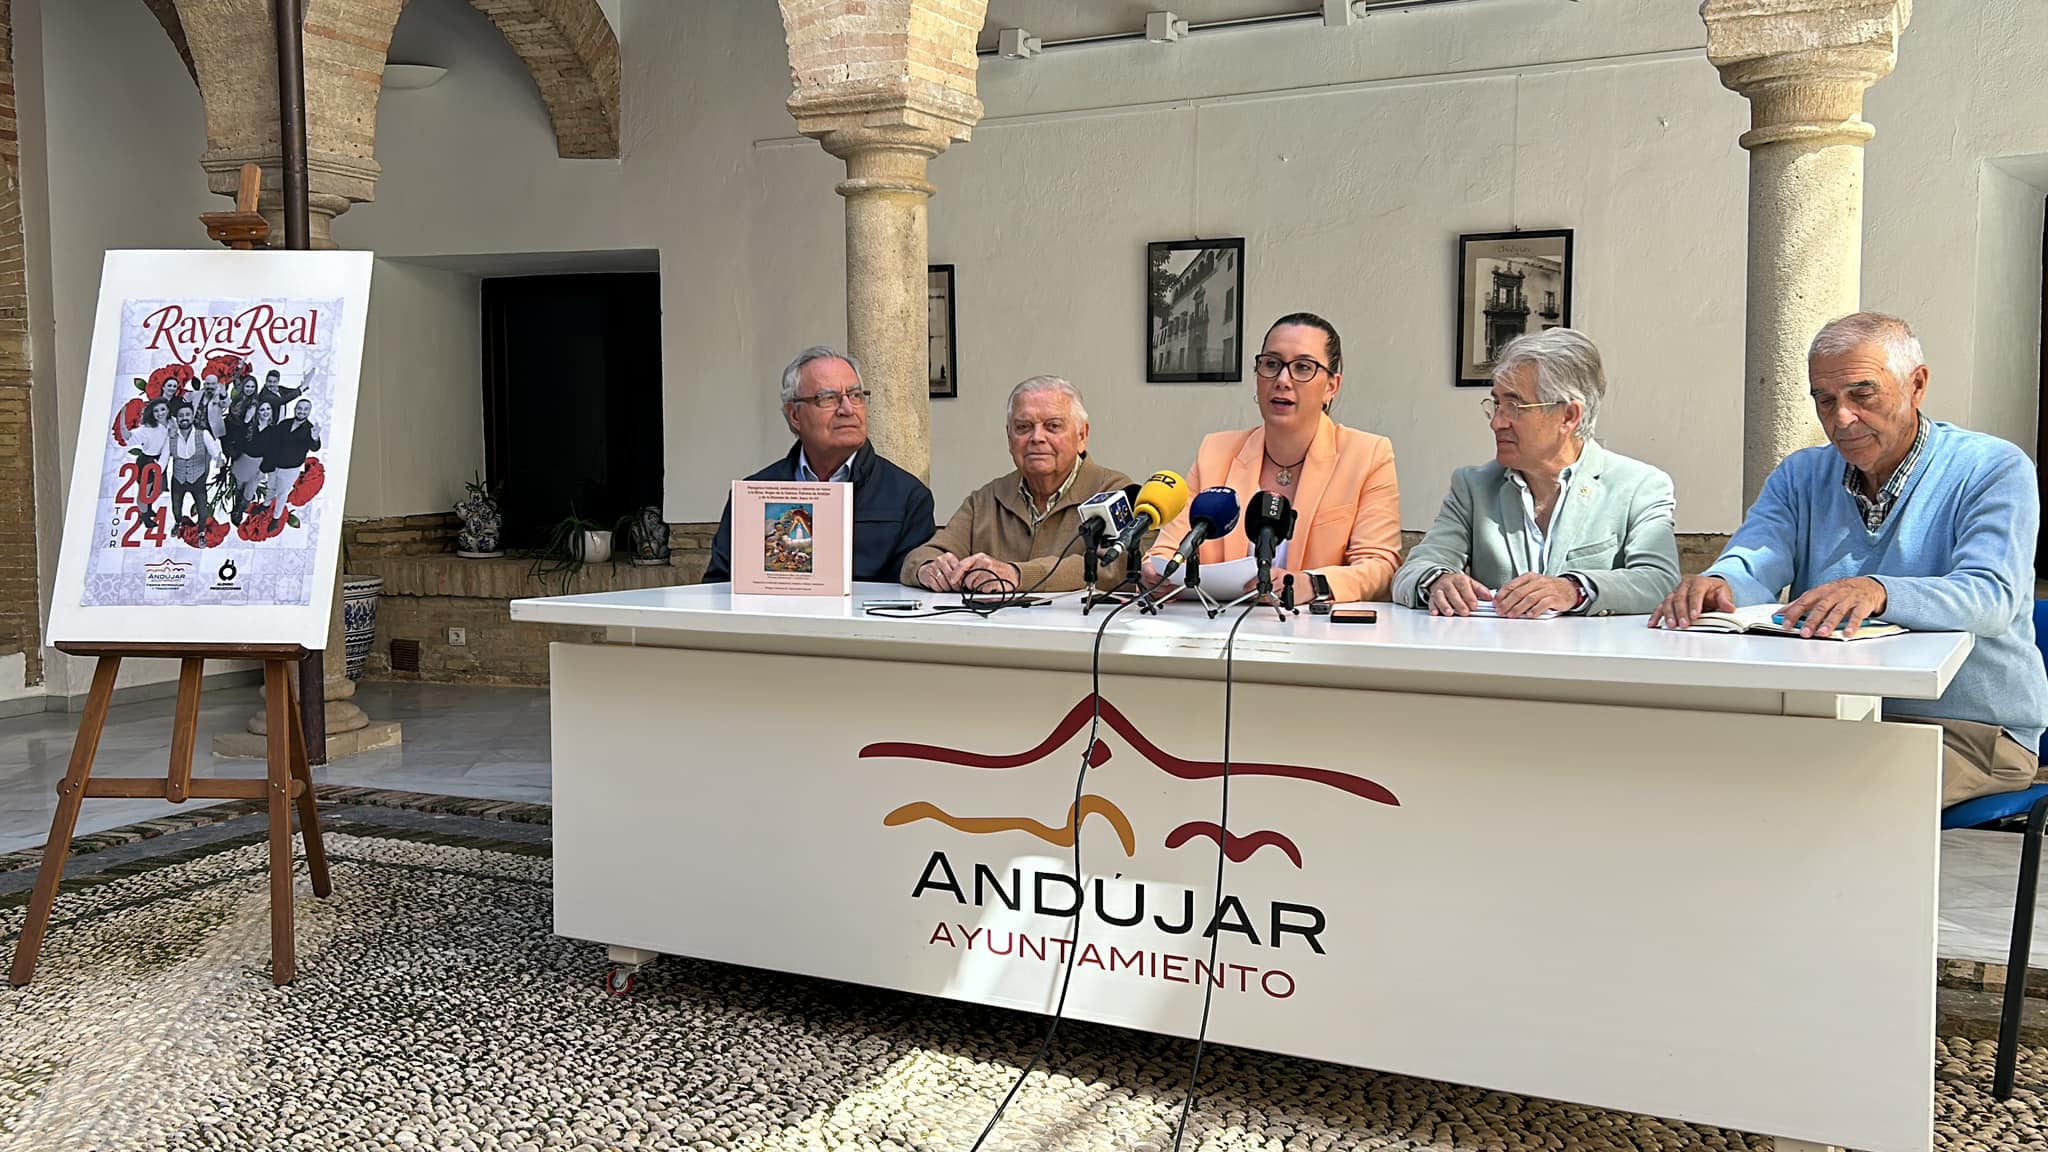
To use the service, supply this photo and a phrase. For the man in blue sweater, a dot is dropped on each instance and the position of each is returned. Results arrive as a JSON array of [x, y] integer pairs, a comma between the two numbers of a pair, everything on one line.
[[826, 407], [1926, 524]]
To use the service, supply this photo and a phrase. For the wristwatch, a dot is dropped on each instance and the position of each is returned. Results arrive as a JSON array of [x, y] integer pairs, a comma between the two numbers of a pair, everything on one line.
[[1319, 585], [1429, 582]]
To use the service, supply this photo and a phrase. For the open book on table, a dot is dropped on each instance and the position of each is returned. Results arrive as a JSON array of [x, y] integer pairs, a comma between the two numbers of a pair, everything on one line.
[[1761, 618]]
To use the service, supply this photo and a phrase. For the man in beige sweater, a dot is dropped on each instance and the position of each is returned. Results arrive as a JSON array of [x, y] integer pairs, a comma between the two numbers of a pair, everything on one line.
[[1021, 526]]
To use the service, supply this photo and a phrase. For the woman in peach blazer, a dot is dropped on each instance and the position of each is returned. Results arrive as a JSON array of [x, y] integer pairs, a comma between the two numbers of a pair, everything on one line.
[[1339, 480]]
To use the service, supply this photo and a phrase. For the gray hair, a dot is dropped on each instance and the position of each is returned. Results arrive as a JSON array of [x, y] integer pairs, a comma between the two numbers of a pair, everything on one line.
[[1046, 384], [793, 375], [1902, 352], [1567, 369]]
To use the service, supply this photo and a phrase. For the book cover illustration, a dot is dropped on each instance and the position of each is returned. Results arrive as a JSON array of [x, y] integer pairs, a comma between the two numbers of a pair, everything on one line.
[[786, 546]]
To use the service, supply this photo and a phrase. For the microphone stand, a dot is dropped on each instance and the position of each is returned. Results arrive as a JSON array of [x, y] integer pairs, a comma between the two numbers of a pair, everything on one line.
[[1194, 583], [1283, 606], [1091, 559]]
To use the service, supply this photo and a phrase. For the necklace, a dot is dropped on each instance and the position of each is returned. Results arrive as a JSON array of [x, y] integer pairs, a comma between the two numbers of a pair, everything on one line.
[[1285, 476]]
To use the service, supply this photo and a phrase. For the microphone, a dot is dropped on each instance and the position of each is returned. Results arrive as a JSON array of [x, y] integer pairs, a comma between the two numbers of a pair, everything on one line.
[[1268, 520], [1161, 499], [1212, 514], [1104, 517]]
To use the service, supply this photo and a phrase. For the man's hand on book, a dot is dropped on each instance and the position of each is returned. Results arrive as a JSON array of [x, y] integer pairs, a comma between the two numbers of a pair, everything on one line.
[[1839, 603], [1693, 596]]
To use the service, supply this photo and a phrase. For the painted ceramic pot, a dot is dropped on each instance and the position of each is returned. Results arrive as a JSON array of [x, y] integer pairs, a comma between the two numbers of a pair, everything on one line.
[[481, 524], [359, 619]]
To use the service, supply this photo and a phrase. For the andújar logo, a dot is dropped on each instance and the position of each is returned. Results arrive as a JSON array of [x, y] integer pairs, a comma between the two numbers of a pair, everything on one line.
[[165, 575], [1288, 928]]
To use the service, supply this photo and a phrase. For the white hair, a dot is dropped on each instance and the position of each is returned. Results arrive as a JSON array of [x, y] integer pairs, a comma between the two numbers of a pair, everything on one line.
[[1902, 354], [1046, 384], [1567, 370], [793, 375]]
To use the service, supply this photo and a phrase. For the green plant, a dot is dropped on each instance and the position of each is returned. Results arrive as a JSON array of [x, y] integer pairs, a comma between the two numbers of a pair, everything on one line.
[[562, 556], [481, 490]]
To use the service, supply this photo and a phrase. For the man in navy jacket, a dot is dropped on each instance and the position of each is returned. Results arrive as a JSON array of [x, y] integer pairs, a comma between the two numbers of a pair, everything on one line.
[[826, 406]]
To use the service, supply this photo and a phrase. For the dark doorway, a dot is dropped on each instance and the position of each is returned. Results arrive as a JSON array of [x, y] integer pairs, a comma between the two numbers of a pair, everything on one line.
[[572, 398]]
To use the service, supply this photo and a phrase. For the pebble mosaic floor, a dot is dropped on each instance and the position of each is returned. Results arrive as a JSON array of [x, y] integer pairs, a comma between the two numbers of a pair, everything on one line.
[[434, 1009]]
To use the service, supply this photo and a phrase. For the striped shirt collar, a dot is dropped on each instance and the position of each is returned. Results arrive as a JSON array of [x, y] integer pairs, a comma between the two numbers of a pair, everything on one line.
[[1031, 505], [1876, 510]]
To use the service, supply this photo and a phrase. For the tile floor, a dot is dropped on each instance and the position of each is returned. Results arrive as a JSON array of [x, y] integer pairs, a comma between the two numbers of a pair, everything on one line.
[[492, 744], [484, 743]]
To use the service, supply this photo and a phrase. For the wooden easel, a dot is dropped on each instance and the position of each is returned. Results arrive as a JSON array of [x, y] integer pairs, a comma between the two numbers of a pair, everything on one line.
[[289, 783]]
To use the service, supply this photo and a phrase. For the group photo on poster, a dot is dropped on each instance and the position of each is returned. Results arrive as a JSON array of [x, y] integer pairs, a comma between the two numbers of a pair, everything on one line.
[[211, 486]]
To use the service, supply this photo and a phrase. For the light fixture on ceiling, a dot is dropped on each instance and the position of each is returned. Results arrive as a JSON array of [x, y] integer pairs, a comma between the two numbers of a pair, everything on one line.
[[404, 76], [1164, 27], [1017, 44]]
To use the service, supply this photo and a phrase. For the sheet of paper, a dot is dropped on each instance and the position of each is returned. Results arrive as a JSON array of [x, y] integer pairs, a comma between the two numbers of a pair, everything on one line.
[[1226, 579]]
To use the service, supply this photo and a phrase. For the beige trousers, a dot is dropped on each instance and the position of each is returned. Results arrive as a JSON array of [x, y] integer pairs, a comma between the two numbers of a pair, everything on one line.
[[1979, 760]]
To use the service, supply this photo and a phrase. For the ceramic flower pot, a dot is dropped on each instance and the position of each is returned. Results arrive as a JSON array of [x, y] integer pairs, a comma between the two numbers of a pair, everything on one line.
[[481, 524], [359, 619]]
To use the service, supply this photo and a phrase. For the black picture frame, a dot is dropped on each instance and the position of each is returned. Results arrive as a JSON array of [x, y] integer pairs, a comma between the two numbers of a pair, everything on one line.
[[943, 373], [1496, 300], [1192, 337]]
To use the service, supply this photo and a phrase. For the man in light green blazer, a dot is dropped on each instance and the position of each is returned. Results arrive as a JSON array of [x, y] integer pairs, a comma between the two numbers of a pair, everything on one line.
[[1554, 523]]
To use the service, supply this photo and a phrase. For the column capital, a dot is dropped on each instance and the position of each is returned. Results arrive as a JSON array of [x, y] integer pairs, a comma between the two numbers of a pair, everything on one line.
[[853, 118], [1804, 64]]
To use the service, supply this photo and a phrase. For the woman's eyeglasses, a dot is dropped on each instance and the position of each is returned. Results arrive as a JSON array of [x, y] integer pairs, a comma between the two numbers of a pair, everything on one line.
[[1301, 369]]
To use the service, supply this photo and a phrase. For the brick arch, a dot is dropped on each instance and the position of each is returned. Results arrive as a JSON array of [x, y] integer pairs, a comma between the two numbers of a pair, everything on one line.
[[573, 54], [567, 45]]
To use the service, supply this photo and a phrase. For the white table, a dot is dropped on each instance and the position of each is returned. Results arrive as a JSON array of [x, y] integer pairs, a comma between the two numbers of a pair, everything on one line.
[[1677, 874]]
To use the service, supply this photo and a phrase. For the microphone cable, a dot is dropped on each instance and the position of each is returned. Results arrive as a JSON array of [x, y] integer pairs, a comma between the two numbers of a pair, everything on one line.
[[1222, 854], [987, 594], [1080, 882]]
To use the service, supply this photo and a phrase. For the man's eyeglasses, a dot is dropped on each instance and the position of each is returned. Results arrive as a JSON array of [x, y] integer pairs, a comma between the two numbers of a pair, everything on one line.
[[1494, 407], [1301, 369], [827, 401]]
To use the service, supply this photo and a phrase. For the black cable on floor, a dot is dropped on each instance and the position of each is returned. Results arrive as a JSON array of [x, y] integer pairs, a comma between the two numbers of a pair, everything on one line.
[[1081, 884], [1222, 854]]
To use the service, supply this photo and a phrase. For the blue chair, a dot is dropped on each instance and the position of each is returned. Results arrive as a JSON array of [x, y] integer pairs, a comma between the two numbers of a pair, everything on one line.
[[2033, 804]]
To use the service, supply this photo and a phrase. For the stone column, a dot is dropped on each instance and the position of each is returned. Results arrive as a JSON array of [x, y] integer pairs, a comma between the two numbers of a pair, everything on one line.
[[234, 56], [1804, 65], [885, 85], [887, 253], [349, 729]]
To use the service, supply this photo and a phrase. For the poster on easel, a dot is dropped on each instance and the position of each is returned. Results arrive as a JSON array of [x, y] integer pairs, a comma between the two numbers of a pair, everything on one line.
[[212, 457]]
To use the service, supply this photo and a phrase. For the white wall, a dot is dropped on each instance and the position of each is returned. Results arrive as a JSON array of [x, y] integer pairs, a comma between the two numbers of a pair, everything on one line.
[[1971, 85], [2006, 375], [470, 165], [422, 386], [1350, 161]]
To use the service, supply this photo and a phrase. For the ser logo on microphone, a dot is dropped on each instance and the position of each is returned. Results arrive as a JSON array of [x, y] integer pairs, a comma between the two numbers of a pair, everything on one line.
[[1159, 500]]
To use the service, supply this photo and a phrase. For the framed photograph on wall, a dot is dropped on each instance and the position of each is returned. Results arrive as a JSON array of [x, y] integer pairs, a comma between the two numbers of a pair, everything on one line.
[[1194, 311], [945, 358], [1509, 284]]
